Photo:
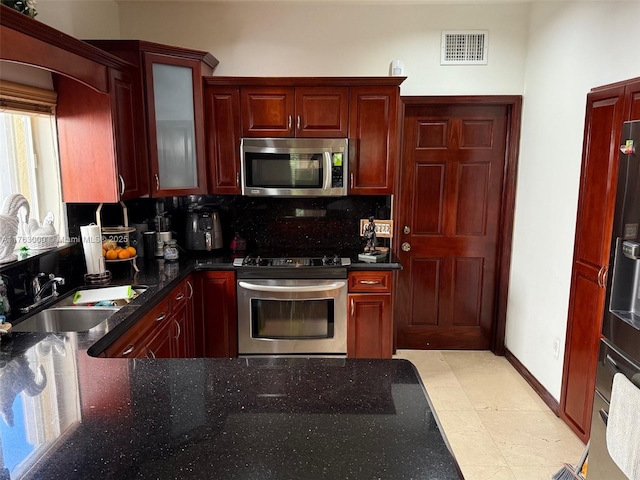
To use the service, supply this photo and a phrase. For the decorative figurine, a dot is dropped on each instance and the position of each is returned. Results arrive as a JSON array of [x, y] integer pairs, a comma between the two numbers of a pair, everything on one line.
[[370, 235]]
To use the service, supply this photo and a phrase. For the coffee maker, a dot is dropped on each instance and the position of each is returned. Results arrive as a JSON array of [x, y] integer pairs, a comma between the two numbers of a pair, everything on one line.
[[203, 231]]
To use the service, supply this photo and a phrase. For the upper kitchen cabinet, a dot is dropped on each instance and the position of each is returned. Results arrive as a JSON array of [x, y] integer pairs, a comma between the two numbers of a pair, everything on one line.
[[280, 111], [93, 113], [96, 135], [170, 116], [363, 109], [373, 138], [222, 117]]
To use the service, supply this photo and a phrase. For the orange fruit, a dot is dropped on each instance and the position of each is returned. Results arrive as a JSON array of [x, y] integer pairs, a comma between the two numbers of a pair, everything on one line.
[[112, 255], [122, 254], [132, 251]]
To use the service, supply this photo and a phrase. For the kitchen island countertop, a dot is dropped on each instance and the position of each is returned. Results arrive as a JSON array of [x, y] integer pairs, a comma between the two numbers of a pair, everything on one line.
[[66, 415]]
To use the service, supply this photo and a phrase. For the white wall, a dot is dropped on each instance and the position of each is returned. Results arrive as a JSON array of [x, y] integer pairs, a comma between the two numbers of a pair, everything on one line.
[[551, 52], [80, 18], [333, 39], [573, 47]]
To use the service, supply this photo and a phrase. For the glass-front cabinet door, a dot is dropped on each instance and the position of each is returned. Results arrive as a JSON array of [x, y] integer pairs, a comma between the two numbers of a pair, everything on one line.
[[176, 125]]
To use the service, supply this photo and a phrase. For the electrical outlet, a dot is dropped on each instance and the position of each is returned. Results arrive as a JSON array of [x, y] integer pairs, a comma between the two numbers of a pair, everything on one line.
[[556, 347]]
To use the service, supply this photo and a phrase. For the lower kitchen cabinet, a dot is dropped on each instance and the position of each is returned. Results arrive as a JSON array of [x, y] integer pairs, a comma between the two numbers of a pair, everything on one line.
[[370, 317], [216, 314], [161, 343], [182, 332], [167, 331]]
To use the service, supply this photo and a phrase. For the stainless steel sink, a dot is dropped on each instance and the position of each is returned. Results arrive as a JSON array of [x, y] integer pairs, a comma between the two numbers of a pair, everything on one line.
[[63, 316], [66, 319]]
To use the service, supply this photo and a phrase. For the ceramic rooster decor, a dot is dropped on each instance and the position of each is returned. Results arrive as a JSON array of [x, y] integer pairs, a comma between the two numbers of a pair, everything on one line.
[[9, 223], [41, 236]]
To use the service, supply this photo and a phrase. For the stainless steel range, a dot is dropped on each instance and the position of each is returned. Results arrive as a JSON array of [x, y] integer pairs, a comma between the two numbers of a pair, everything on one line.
[[292, 305]]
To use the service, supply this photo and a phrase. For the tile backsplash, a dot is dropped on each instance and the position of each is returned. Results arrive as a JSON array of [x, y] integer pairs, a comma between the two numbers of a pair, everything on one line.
[[283, 225]]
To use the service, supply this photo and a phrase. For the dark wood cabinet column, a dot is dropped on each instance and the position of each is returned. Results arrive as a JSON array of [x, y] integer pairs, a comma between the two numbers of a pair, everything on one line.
[[607, 108]]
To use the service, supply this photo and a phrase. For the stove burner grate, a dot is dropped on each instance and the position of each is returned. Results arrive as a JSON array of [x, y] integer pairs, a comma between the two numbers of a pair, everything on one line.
[[295, 262]]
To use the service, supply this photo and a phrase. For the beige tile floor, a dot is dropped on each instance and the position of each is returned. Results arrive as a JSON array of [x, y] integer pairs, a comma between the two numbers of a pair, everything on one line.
[[497, 426]]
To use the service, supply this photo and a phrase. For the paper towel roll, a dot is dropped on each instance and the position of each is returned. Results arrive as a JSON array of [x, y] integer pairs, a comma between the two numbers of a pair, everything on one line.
[[92, 245]]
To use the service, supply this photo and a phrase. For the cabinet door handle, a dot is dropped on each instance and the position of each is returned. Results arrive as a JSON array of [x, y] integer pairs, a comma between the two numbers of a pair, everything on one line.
[[602, 275], [128, 350], [179, 297], [370, 282], [122, 185], [237, 179], [599, 278], [190, 289], [153, 355], [289, 122], [351, 180], [161, 317], [179, 330], [157, 182], [353, 307], [299, 122]]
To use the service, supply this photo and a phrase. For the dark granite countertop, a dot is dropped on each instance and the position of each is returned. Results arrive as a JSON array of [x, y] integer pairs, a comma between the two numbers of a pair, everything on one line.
[[66, 415], [159, 277]]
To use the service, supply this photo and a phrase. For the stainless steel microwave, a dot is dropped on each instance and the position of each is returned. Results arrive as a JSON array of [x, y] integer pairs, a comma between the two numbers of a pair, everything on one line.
[[294, 167]]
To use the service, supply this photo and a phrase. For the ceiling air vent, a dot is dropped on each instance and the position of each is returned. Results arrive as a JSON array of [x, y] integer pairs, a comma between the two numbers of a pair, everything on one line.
[[464, 47]]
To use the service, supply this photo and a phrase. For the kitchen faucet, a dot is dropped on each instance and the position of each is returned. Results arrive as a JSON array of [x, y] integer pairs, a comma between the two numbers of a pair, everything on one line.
[[39, 290]]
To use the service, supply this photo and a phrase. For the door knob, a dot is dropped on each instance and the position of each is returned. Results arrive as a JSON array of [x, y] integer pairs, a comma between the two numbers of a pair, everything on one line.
[[406, 246], [406, 229]]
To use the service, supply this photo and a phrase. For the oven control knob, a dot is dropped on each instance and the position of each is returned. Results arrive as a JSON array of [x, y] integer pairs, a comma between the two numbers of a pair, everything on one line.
[[336, 260], [406, 246]]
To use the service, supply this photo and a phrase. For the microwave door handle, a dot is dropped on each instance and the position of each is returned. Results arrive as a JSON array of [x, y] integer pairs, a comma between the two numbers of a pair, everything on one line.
[[279, 288], [327, 171]]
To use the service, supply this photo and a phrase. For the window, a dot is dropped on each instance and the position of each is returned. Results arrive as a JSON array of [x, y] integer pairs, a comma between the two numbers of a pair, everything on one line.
[[29, 162]]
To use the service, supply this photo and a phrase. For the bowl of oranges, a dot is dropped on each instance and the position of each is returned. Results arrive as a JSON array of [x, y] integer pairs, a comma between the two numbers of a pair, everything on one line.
[[114, 252]]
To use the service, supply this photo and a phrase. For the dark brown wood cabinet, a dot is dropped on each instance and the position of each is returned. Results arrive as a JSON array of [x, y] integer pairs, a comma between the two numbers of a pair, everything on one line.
[[133, 343], [373, 139], [370, 317], [95, 113], [169, 112], [216, 314], [166, 331], [280, 111], [363, 109], [96, 135], [222, 117], [160, 345], [607, 108]]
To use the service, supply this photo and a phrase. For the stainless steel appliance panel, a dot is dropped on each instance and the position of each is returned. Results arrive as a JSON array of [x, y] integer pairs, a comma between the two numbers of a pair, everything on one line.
[[292, 316], [611, 361], [294, 167], [601, 467]]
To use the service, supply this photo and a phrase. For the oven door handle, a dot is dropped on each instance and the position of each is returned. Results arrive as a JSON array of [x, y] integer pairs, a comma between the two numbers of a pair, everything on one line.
[[280, 288]]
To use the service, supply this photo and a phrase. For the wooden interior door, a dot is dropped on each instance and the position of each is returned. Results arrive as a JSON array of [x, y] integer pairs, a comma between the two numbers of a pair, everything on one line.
[[449, 219]]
